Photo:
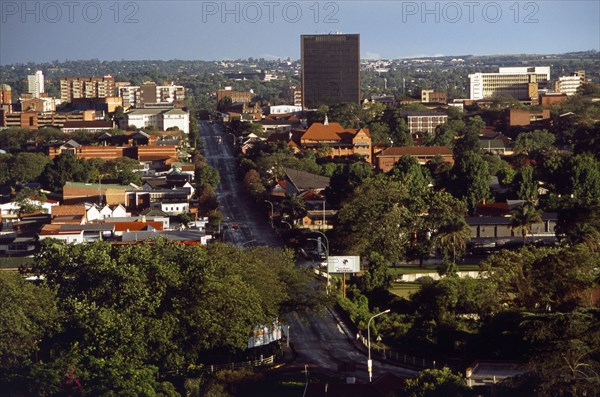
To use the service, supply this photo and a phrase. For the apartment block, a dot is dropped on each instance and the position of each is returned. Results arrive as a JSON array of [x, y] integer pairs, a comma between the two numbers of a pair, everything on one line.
[[86, 87], [424, 120], [150, 94], [570, 84]]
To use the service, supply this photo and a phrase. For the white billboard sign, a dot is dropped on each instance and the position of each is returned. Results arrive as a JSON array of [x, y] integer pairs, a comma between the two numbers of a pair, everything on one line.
[[343, 264]]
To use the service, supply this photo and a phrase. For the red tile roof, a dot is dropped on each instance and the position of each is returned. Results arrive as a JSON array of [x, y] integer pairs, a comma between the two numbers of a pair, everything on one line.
[[68, 210], [417, 151], [331, 132]]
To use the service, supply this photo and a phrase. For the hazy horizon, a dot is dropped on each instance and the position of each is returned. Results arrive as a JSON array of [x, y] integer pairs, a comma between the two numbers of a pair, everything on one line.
[[40, 32]]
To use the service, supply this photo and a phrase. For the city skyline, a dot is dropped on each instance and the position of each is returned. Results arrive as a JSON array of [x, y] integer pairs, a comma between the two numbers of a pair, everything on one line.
[[130, 30]]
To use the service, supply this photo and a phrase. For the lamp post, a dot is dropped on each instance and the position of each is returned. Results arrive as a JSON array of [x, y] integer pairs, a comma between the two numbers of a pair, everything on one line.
[[326, 255], [272, 211], [287, 223], [369, 362], [326, 259]]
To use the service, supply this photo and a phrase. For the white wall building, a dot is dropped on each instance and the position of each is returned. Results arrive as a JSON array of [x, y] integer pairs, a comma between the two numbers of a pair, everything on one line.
[[569, 84], [522, 83], [285, 109], [161, 119], [35, 83], [176, 118]]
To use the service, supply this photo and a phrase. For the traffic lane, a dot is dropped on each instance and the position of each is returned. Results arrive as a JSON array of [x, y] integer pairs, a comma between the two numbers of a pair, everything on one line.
[[321, 344]]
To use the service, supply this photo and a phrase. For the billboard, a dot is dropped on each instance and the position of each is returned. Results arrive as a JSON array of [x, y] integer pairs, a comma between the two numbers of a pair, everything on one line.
[[343, 264]]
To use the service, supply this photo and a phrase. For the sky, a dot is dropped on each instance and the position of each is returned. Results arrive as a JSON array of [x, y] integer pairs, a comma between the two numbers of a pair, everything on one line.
[[46, 30]]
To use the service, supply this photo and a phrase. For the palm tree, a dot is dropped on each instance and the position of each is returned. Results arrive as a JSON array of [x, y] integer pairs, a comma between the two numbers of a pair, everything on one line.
[[523, 217], [294, 207], [453, 234]]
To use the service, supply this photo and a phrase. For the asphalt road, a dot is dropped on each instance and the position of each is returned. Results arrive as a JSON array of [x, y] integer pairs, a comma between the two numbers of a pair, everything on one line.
[[321, 343]]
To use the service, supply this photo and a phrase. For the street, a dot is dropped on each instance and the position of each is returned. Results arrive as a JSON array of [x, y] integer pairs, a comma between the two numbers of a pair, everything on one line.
[[320, 342]]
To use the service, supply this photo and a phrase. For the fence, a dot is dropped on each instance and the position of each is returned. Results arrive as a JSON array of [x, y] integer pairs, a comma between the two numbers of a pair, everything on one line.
[[406, 359], [206, 368]]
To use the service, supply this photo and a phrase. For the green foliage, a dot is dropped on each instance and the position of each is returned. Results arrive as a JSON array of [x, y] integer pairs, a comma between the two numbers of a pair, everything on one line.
[[579, 225], [524, 217], [128, 311], [437, 383], [524, 184], [207, 175], [378, 274], [542, 278], [28, 313], [565, 360], [411, 174], [375, 219], [535, 141], [470, 179], [27, 167], [584, 179]]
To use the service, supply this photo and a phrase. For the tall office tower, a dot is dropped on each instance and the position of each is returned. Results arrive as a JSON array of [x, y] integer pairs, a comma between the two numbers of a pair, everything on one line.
[[330, 69], [35, 83]]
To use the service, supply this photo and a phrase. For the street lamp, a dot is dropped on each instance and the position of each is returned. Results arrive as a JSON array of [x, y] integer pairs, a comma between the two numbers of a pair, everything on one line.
[[369, 362], [326, 255], [287, 223], [326, 247]]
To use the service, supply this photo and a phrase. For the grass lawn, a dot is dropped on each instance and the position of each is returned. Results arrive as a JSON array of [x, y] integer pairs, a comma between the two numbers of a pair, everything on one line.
[[404, 290], [14, 262]]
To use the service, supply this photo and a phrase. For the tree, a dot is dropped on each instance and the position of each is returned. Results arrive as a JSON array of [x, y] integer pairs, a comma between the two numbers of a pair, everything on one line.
[[253, 183], [437, 383], [524, 185], [543, 279], [378, 217], [411, 174], [24, 198], [125, 170], [27, 167], [523, 217], [579, 225], [452, 236], [535, 141], [378, 275], [207, 175], [27, 315], [470, 179], [565, 361], [584, 179], [293, 207]]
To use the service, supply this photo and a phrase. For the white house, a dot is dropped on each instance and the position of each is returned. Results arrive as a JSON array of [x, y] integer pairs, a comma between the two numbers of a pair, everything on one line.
[[161, 119], [115, 212], [176, 118]]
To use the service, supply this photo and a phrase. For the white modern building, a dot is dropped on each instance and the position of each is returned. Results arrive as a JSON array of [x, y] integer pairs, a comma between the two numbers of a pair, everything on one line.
[[285, 109], [35, 83], [522, 83], [569, 84], [161, 119]]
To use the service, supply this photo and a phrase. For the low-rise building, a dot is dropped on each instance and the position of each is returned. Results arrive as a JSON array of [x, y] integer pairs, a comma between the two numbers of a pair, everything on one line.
[[424, 121], [160, 118], [385, 160], [340, 141]]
